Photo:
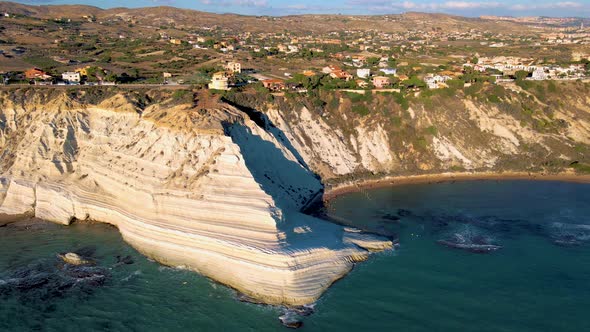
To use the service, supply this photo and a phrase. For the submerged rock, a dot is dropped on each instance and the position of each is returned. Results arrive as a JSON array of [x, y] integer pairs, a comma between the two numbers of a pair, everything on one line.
[[390, 217], [569, 235], [291, 319], [470, 242], [293, 324], [476, 248], [124, 260], [47, 279], [304, 310], [404, 213], [87, 251]]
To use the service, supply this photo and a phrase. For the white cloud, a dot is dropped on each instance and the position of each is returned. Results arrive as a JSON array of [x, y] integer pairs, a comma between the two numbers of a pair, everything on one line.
[[462, 5], [459, 5], [469, 5], [243, 3], [297, 6], [555, 5]]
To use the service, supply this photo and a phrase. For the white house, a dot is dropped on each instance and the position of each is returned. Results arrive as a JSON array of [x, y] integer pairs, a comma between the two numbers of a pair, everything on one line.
[[363, 72], [71, 77], [435, 81], [388, 71], [539, 74], [219, 81], [234, 67]]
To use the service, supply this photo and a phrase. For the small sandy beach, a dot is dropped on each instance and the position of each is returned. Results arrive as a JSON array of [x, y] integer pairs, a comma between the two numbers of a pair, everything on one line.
[[340, 189]]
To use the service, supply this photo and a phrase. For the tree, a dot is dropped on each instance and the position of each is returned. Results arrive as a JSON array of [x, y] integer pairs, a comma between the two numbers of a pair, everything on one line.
[[414, 82], [209, 43], [521, 75], [373, 61], [111, 77], [392, 62], [456, 84]]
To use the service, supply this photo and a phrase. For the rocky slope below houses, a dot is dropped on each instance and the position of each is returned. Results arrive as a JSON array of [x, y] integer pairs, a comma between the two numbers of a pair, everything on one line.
[[489, 129], [188, 181]]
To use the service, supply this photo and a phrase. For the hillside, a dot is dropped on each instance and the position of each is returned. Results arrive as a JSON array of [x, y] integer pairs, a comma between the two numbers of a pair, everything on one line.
[[186, 18], [533, 127]]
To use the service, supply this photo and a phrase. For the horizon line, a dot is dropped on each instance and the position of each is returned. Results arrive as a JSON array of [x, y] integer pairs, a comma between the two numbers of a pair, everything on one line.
[[286, 15]]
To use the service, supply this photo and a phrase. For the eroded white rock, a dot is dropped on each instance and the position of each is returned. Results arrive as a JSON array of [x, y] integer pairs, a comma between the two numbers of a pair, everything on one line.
[[181, 192]]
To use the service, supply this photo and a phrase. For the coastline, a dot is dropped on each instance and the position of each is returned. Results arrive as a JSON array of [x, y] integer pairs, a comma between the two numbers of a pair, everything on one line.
[[391, 181]]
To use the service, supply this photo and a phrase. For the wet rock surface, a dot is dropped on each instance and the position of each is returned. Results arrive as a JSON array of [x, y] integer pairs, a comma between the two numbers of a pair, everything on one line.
[[48, 279], [126, 260], [74, 259], [292, 317], [76, 273]]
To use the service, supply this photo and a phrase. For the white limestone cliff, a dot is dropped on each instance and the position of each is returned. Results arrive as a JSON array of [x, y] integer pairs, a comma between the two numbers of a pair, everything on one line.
[[207, 190]]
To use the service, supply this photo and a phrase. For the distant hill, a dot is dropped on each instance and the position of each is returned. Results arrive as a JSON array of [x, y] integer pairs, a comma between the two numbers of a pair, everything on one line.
[[162, 15]]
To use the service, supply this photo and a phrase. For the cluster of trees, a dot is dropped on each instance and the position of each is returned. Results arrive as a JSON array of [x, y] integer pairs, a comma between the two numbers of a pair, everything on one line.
[[95, 74], [322, 81], [471, 75]]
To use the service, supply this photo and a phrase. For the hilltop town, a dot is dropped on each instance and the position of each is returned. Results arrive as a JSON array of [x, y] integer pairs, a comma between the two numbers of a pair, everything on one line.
[[408, 52]]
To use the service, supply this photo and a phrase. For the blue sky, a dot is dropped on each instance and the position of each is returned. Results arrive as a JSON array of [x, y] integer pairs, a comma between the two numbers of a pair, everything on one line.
[[579, 8]]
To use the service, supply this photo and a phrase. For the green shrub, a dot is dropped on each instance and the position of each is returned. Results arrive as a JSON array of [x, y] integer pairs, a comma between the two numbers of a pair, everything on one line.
[[396, 121], [334, 103], [358, 97], [401, 100], [494, 99], [580, 167], [432, 130], [361, 110], [421, 142], [474, 89], [525, 85], [179, 94]]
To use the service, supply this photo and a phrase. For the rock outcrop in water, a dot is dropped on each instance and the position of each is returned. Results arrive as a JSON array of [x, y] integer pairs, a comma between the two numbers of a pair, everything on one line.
[[74, 259], [197, 185]]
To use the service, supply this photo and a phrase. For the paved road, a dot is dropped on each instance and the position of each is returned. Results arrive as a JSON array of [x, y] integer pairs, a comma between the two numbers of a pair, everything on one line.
[[129, 86]]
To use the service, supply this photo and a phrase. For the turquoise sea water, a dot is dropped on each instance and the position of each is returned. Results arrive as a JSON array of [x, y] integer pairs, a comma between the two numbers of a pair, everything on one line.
[[538, 281]]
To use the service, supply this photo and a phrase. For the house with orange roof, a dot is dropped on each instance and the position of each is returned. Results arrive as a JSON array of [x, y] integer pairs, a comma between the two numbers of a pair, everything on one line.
[[34, 73], [274, 84], [381, 82]]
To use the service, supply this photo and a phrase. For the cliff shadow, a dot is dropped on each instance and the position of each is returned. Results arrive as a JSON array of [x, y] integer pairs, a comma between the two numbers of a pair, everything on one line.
[[263, 121], [291, 184]]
